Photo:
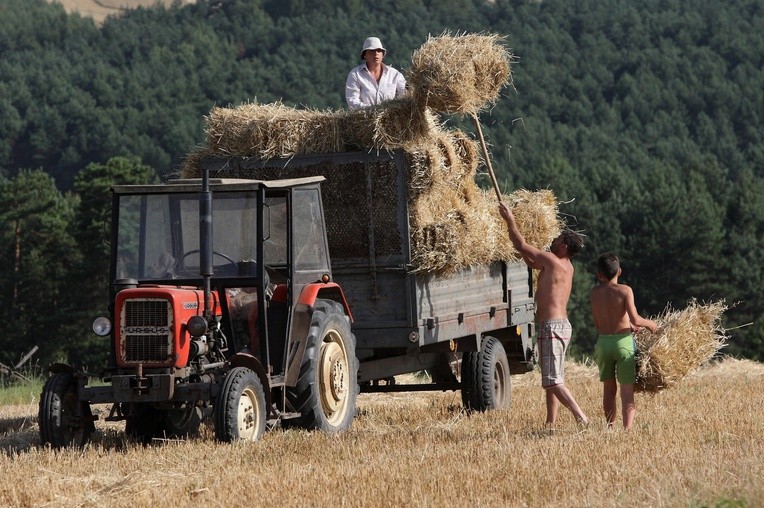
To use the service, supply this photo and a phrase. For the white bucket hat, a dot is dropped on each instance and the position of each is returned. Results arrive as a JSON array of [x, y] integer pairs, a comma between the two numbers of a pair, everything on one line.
[[373, 43]]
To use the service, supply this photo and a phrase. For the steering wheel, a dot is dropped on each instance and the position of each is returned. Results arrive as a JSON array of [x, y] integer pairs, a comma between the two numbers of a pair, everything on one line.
[[182, 262]]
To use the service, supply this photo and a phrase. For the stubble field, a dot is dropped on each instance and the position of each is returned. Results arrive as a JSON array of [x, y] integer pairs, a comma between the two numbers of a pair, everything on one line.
[[698, 444], [99, 9]]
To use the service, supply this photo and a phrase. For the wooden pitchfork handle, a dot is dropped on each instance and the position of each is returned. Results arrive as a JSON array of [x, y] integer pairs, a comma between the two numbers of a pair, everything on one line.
[[485, 155]]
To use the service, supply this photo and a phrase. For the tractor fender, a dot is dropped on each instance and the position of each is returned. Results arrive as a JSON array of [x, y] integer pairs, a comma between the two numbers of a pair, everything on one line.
[[325, 290], [301, 319], [249, 361]]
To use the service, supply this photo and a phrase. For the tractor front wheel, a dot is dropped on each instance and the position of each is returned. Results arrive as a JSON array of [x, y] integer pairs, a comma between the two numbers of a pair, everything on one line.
[[63, 419], [240, 410]]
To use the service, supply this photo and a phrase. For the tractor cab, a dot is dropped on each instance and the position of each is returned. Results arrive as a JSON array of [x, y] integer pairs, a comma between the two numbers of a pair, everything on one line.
[[264, 250]]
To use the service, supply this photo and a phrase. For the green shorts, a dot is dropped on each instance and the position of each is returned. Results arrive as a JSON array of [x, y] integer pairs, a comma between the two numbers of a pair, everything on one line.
[[614, 355]]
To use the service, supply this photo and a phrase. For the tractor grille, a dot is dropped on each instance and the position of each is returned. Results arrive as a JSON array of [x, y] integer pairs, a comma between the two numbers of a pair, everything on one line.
[[146, 331]]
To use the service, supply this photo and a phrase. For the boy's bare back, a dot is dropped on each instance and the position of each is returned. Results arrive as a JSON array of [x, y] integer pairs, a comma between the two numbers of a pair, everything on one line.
[[610, 308], [614, 310]]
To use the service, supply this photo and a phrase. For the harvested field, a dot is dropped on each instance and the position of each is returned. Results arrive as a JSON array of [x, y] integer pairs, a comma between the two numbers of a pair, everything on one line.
[[695, 444], [99, 9]]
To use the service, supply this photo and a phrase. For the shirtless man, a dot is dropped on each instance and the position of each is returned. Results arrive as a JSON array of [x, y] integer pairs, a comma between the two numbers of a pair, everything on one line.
[[554, 331], [616, 317]]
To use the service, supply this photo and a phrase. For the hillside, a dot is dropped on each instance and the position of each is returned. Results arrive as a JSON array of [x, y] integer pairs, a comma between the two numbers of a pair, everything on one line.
[[643, 118], [99, 9]]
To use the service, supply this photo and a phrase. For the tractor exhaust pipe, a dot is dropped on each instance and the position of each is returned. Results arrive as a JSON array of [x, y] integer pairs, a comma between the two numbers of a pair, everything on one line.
[[205, 241]]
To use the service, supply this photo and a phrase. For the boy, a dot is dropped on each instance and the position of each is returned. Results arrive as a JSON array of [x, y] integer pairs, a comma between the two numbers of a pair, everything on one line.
[[616, 317]]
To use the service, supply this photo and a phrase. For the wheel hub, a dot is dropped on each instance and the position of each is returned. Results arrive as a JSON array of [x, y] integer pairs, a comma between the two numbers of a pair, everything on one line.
[[247, 416], [334, 378]]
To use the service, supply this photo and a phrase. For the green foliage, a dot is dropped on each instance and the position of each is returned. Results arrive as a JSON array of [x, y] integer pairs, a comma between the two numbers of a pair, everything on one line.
[[89, 274], [15, 392], [644, 118], [37, 253]]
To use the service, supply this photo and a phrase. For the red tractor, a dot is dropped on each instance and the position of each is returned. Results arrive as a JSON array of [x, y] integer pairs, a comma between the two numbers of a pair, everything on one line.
[[222, 301]]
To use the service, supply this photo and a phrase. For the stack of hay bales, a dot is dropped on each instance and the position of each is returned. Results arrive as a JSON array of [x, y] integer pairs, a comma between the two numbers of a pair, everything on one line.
[[685, 340], [454, 224]]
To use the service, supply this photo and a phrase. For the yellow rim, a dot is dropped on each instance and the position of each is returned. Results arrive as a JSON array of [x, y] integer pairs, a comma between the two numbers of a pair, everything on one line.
[[334, 377]]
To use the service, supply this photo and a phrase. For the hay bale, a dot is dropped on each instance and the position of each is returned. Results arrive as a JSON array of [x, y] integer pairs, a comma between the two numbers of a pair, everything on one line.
[[459, 74], [423, 162], [460, 159], [685, 340], [272, 130], [467, 150], [399, 123], [536, 217], [454, 229], [435, 245]]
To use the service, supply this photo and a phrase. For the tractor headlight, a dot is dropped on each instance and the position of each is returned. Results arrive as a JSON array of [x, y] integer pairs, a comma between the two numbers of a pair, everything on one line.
[[102, 326], [196, 326]]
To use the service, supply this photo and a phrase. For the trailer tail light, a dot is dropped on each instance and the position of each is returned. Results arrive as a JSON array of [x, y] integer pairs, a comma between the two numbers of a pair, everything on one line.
[[146, 331]]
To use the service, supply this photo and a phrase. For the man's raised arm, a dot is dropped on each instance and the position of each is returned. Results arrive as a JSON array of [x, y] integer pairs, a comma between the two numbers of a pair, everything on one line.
[[530, 254]]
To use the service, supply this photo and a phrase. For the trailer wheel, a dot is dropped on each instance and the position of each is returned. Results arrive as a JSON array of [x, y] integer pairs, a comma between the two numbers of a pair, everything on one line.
[[63, 419], [485, 377], [327, 389], [240, 411]]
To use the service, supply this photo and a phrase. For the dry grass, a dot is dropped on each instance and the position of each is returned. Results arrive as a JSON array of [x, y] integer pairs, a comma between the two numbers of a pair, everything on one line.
[[696, 444]]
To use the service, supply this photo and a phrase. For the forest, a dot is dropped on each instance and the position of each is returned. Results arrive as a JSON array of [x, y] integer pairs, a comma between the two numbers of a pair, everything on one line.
[[644, 118]]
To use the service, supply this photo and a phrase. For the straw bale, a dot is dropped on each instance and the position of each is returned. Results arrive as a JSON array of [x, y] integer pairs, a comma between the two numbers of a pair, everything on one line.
[[459, 157], [685, 340], [433, 205], [442, 244], [459, 73], [536, 217], [467, 150], [434, 245], [423, 162], [484, 229], [399, 123], [272, 130]]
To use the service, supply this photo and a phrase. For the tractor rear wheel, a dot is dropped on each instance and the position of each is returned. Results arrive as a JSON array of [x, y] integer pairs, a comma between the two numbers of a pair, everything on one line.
[[63, 419], [327, 388], [485, 377], [240, 410]]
